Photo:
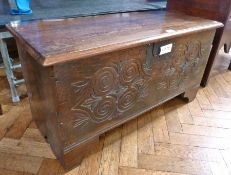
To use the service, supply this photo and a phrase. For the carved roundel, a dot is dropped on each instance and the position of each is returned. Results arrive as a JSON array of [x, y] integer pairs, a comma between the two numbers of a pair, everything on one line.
[[128, 99], [129, 71], [105, 80], [170, 71], [196, 51], [104, 109], [181, 51]]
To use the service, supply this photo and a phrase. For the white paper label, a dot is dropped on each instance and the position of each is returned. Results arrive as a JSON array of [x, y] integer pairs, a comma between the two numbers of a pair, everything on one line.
[[165, 49]]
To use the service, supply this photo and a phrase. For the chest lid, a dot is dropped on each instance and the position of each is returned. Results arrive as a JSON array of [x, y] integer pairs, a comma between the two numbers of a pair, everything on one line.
[[60, 40]]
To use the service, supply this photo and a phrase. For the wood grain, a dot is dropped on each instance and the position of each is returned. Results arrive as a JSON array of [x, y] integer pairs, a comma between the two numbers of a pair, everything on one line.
[[19, 127], [161, 155], [145, 138], [174, 164], [214, 10], [67, 39], [128, 151], [83, 82]]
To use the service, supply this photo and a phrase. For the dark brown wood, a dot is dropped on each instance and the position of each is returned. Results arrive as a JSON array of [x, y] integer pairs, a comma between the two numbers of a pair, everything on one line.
[[73, 157], [113, 90], [226, 38], [55, 41], [1, 110], [214, 10], [190, 94], [41, 91], [83, 86]]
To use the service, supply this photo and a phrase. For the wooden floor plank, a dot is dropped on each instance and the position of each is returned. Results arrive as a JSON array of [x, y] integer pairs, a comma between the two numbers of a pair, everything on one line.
[[171, 116], [221, 107], [33, 135], [200, 141], [160, 130], [20, 125], [217, 114], [5, 95], [188, 152], [225, 101], [128, 152], [51, 167], [227, 158], [20, 163], [218, 89], [145, 140], [219, 168], [8, 172], [174, 164], [211, 95], [206, 131], [26, 148], [136, 171], [195, 109], [227, 77], [184, 114], [223, 83], [91, 163], [203, 100], [7, 120], [212, 122], [74, 171], [111, 151]]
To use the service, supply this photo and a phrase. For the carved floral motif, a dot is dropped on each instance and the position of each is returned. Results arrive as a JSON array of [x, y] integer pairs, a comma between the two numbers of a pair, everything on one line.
[[118, 87], [185, 61], [105, 80], [113, 89], [128, 99]]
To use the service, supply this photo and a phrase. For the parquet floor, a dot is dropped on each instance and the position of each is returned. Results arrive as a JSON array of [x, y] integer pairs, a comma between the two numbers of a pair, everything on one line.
[[174, 139]]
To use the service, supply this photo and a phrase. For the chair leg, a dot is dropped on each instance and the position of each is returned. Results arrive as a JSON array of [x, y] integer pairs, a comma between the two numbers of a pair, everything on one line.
[[226, 50], [228, 46], [8, 70], [212, 56], [1, 112]]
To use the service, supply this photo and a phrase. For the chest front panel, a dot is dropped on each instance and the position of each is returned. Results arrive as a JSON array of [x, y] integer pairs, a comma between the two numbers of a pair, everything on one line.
[[98, 93]]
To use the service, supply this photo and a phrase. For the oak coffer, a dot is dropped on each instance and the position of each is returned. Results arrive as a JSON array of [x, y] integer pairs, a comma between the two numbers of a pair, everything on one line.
[[87, 75]]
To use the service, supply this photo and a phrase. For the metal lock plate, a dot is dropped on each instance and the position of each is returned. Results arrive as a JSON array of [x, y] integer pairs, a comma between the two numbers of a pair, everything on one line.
[[162, 50]]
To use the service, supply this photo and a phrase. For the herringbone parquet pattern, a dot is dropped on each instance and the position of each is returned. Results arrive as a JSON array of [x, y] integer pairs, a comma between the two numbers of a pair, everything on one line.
[[174, 139]]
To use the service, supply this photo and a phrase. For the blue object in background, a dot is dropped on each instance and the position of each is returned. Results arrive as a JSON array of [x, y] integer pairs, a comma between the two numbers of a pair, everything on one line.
[[53, 9], [23, 7]]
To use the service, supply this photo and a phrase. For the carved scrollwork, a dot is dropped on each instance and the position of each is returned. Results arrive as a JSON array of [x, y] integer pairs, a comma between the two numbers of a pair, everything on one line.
[[181, 52], [90, 102], [119, 86], [170, 71], [128, 99], [94, 111], [129, 71], [104, 109], [80, 85], [197, 50], [114, 89], [105, 80], [83, 117], [186, 60]]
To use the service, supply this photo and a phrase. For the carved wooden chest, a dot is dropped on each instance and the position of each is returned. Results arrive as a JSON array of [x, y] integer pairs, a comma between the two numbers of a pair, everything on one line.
[[88, 75]]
